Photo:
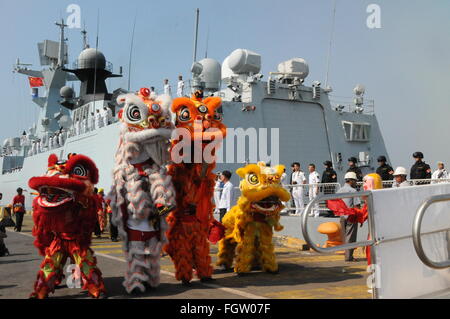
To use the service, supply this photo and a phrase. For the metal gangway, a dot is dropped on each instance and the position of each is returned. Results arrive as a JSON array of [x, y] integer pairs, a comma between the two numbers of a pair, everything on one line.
[[409, 239]]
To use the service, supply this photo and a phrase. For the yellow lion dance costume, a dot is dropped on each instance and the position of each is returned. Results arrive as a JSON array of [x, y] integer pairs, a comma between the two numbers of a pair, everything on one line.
[[249, 224]]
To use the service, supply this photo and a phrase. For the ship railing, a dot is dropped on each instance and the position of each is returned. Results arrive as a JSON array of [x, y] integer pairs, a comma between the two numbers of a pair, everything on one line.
[[346, 104], [307, 191], [412, 182]]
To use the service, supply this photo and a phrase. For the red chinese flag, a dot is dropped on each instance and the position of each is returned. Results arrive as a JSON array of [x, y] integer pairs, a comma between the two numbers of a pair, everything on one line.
[[35, 82]]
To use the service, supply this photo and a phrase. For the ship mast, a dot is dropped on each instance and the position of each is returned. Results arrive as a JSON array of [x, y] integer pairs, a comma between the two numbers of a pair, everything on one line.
[[61, 52], [85, 43]]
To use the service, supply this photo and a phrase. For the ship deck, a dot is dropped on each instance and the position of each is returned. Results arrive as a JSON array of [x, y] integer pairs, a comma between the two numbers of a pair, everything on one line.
[[302, 274]]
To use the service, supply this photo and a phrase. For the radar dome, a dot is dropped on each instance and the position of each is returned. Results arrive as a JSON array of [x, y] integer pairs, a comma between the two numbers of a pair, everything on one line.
[[65, 122], [243, 61], [296, 66], [90, 58], [66, 92], [211, 73], [226, 71]]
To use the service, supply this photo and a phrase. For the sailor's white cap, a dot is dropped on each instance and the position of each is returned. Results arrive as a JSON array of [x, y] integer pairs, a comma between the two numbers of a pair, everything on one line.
[[400, 171], [350, 175]]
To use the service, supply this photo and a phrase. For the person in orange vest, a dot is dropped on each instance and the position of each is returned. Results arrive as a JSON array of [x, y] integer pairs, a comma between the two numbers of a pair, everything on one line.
[[18, 205], [102, 221]]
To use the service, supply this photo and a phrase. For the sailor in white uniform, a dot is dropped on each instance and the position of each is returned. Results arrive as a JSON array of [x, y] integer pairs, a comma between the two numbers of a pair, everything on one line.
[[313, 180], [78, 126], [109, 115], [298, 180], [84, 125], [400, 174], [56, 140], [180, 86], [167, 88], [61, 138], [98, 119], [50, 142], [440, 173], [92, 122], [104, 114], [34, 148]]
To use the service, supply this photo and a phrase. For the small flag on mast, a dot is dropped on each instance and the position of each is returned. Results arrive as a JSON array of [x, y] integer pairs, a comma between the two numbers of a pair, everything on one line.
[[35, 82]]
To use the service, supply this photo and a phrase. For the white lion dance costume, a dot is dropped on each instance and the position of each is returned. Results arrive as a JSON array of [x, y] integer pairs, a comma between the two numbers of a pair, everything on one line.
[[142, 192]]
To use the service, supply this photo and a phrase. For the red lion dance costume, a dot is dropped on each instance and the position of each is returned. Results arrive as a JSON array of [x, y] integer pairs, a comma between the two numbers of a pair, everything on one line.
[[65, 215], [199, 123]]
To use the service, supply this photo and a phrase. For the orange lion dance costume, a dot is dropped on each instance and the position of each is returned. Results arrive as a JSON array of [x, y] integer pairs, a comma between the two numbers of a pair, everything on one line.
[[65, 215], [200, 125]]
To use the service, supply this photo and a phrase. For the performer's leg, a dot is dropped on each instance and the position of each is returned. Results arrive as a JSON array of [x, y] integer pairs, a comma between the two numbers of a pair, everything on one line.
[[47, 275], [226, 253], [60, 276], [245, 250], [266, 249], [137, 267], [153, 260], [202, 259], [90, 274], [180, 251]]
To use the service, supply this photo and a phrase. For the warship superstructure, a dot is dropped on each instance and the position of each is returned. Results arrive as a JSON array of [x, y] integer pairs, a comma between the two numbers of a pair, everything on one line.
[[292, 121]]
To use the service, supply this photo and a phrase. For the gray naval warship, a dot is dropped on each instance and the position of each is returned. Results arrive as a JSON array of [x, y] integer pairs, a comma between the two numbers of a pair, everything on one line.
[[280, 120]]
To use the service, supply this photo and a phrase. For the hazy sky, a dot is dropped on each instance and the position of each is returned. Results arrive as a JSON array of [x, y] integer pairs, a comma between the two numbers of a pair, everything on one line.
[[405, 65]]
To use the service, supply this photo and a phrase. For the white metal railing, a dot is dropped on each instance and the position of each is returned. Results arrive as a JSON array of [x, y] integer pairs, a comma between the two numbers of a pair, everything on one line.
[[330, 189], [412, 182], [322, 189], [346, 104]]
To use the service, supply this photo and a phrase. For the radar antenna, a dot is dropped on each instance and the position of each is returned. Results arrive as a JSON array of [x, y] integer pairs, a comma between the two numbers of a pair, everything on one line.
[[131, 51], [207, 43], [84, 33], [196, 34], [19, 65], [330, 44], [61, 53]]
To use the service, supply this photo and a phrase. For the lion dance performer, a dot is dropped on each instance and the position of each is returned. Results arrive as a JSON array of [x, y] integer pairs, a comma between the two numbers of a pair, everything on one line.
[[65, 215], [142, 192], [250, 224], [200, 124]]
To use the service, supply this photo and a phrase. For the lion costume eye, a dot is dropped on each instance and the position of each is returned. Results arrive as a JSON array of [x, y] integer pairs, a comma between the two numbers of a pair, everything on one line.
[[80, 170], [134, 114], [185, 115], [156, 108], [203, 109], [253, 179]]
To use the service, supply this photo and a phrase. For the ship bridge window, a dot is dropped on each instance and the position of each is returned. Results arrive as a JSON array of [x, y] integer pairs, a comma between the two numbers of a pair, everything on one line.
[[356, 132]]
